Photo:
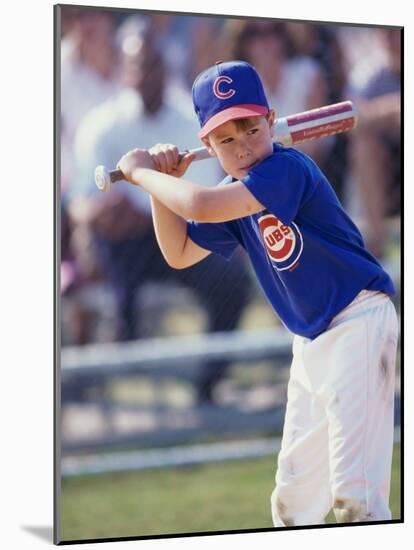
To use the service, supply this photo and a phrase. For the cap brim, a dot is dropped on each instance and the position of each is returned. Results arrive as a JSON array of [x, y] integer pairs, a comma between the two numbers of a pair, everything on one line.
[[232, 113]]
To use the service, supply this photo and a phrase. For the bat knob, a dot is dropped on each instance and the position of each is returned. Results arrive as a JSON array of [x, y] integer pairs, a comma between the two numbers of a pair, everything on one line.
[[102, 178]]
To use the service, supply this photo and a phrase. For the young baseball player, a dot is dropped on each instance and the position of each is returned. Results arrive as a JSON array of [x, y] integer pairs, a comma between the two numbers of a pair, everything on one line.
[[325, 287]]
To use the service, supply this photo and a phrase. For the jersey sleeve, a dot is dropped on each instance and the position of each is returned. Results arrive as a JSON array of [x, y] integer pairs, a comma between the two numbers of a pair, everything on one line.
[[282, 183], [216, 237]]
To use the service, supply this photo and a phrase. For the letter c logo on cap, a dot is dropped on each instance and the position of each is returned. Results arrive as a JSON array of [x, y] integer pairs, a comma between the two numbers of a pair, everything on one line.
[[216, 88]]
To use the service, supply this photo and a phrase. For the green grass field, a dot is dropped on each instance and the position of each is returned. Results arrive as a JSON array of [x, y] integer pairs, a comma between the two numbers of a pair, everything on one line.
[[221, 497]]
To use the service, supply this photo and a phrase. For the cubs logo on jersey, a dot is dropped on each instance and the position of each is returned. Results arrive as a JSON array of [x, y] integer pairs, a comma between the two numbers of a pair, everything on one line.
[[283, 243], [220, 90]]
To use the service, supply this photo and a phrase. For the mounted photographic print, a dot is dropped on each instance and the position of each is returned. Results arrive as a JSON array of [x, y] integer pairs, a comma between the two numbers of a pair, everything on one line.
[[228, 291]]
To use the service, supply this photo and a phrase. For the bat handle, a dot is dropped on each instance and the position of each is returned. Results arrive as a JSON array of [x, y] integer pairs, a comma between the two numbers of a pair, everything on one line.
[[116, 175], [104, 178]]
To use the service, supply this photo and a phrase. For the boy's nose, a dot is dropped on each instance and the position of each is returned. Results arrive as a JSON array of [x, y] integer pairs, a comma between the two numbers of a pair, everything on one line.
[[244, 152]]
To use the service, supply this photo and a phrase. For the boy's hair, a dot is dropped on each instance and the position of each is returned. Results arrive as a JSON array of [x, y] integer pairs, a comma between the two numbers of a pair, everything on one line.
[[246, 123]]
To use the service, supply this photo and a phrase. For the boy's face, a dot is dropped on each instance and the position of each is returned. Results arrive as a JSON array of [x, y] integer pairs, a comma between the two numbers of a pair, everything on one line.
[[239, 149]]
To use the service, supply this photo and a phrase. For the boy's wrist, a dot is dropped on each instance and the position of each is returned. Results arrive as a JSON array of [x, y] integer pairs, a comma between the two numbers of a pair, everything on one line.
[[138, 173], [133, 162]]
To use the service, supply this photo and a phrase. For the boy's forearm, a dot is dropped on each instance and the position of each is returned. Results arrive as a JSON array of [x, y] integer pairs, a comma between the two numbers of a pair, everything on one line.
[[195, 202], [180, 196], [171, 232]]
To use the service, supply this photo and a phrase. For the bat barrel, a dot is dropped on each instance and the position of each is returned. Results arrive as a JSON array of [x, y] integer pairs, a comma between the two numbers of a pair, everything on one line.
[[318, 123]]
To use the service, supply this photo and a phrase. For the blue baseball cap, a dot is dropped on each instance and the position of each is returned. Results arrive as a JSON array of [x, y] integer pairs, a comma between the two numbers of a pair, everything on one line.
[[227, 91]]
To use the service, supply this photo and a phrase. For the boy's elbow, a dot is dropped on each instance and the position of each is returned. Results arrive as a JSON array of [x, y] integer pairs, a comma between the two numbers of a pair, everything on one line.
[[176, 263], [176, 260]]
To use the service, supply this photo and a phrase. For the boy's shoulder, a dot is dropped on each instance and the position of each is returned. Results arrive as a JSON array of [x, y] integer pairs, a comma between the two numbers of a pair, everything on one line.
[[285, 158], [279, 160], [281, 152]]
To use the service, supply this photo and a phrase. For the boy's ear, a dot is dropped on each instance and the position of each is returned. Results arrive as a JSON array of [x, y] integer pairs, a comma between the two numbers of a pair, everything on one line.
[[210, 150], [271, 121]]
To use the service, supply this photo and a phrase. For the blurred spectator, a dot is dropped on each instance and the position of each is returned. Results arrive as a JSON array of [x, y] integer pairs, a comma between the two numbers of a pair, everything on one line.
[[188, 45], [205, 46], [376, 144], [120, 221], [321, 43], [88, 62], [66, 161], [88, 77], [292, 84], [77, 318], [68, 271]]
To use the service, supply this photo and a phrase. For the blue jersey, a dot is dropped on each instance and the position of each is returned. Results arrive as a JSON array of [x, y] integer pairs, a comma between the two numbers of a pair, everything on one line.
[[308, 255]]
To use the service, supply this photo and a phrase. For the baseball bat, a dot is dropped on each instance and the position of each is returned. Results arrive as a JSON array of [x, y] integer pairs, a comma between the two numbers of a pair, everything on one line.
[[289, 130]]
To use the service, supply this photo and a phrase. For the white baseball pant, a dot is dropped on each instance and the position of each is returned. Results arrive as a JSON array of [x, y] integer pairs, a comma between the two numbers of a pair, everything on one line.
[[337, 439]]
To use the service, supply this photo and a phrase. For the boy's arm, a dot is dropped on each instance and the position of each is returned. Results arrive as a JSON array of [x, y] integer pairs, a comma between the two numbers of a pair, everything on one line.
[[177, 248], [186, 199]]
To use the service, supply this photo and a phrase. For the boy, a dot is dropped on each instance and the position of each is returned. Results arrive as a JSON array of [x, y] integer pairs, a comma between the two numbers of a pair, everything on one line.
[[326, 288]]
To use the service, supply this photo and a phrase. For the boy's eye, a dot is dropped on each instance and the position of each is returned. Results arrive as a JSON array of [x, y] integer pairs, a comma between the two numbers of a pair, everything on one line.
[[253, 131], [227, 140]]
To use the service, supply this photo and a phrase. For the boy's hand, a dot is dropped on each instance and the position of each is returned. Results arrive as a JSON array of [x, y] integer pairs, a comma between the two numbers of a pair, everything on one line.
[[137, 158], [168, 160]]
